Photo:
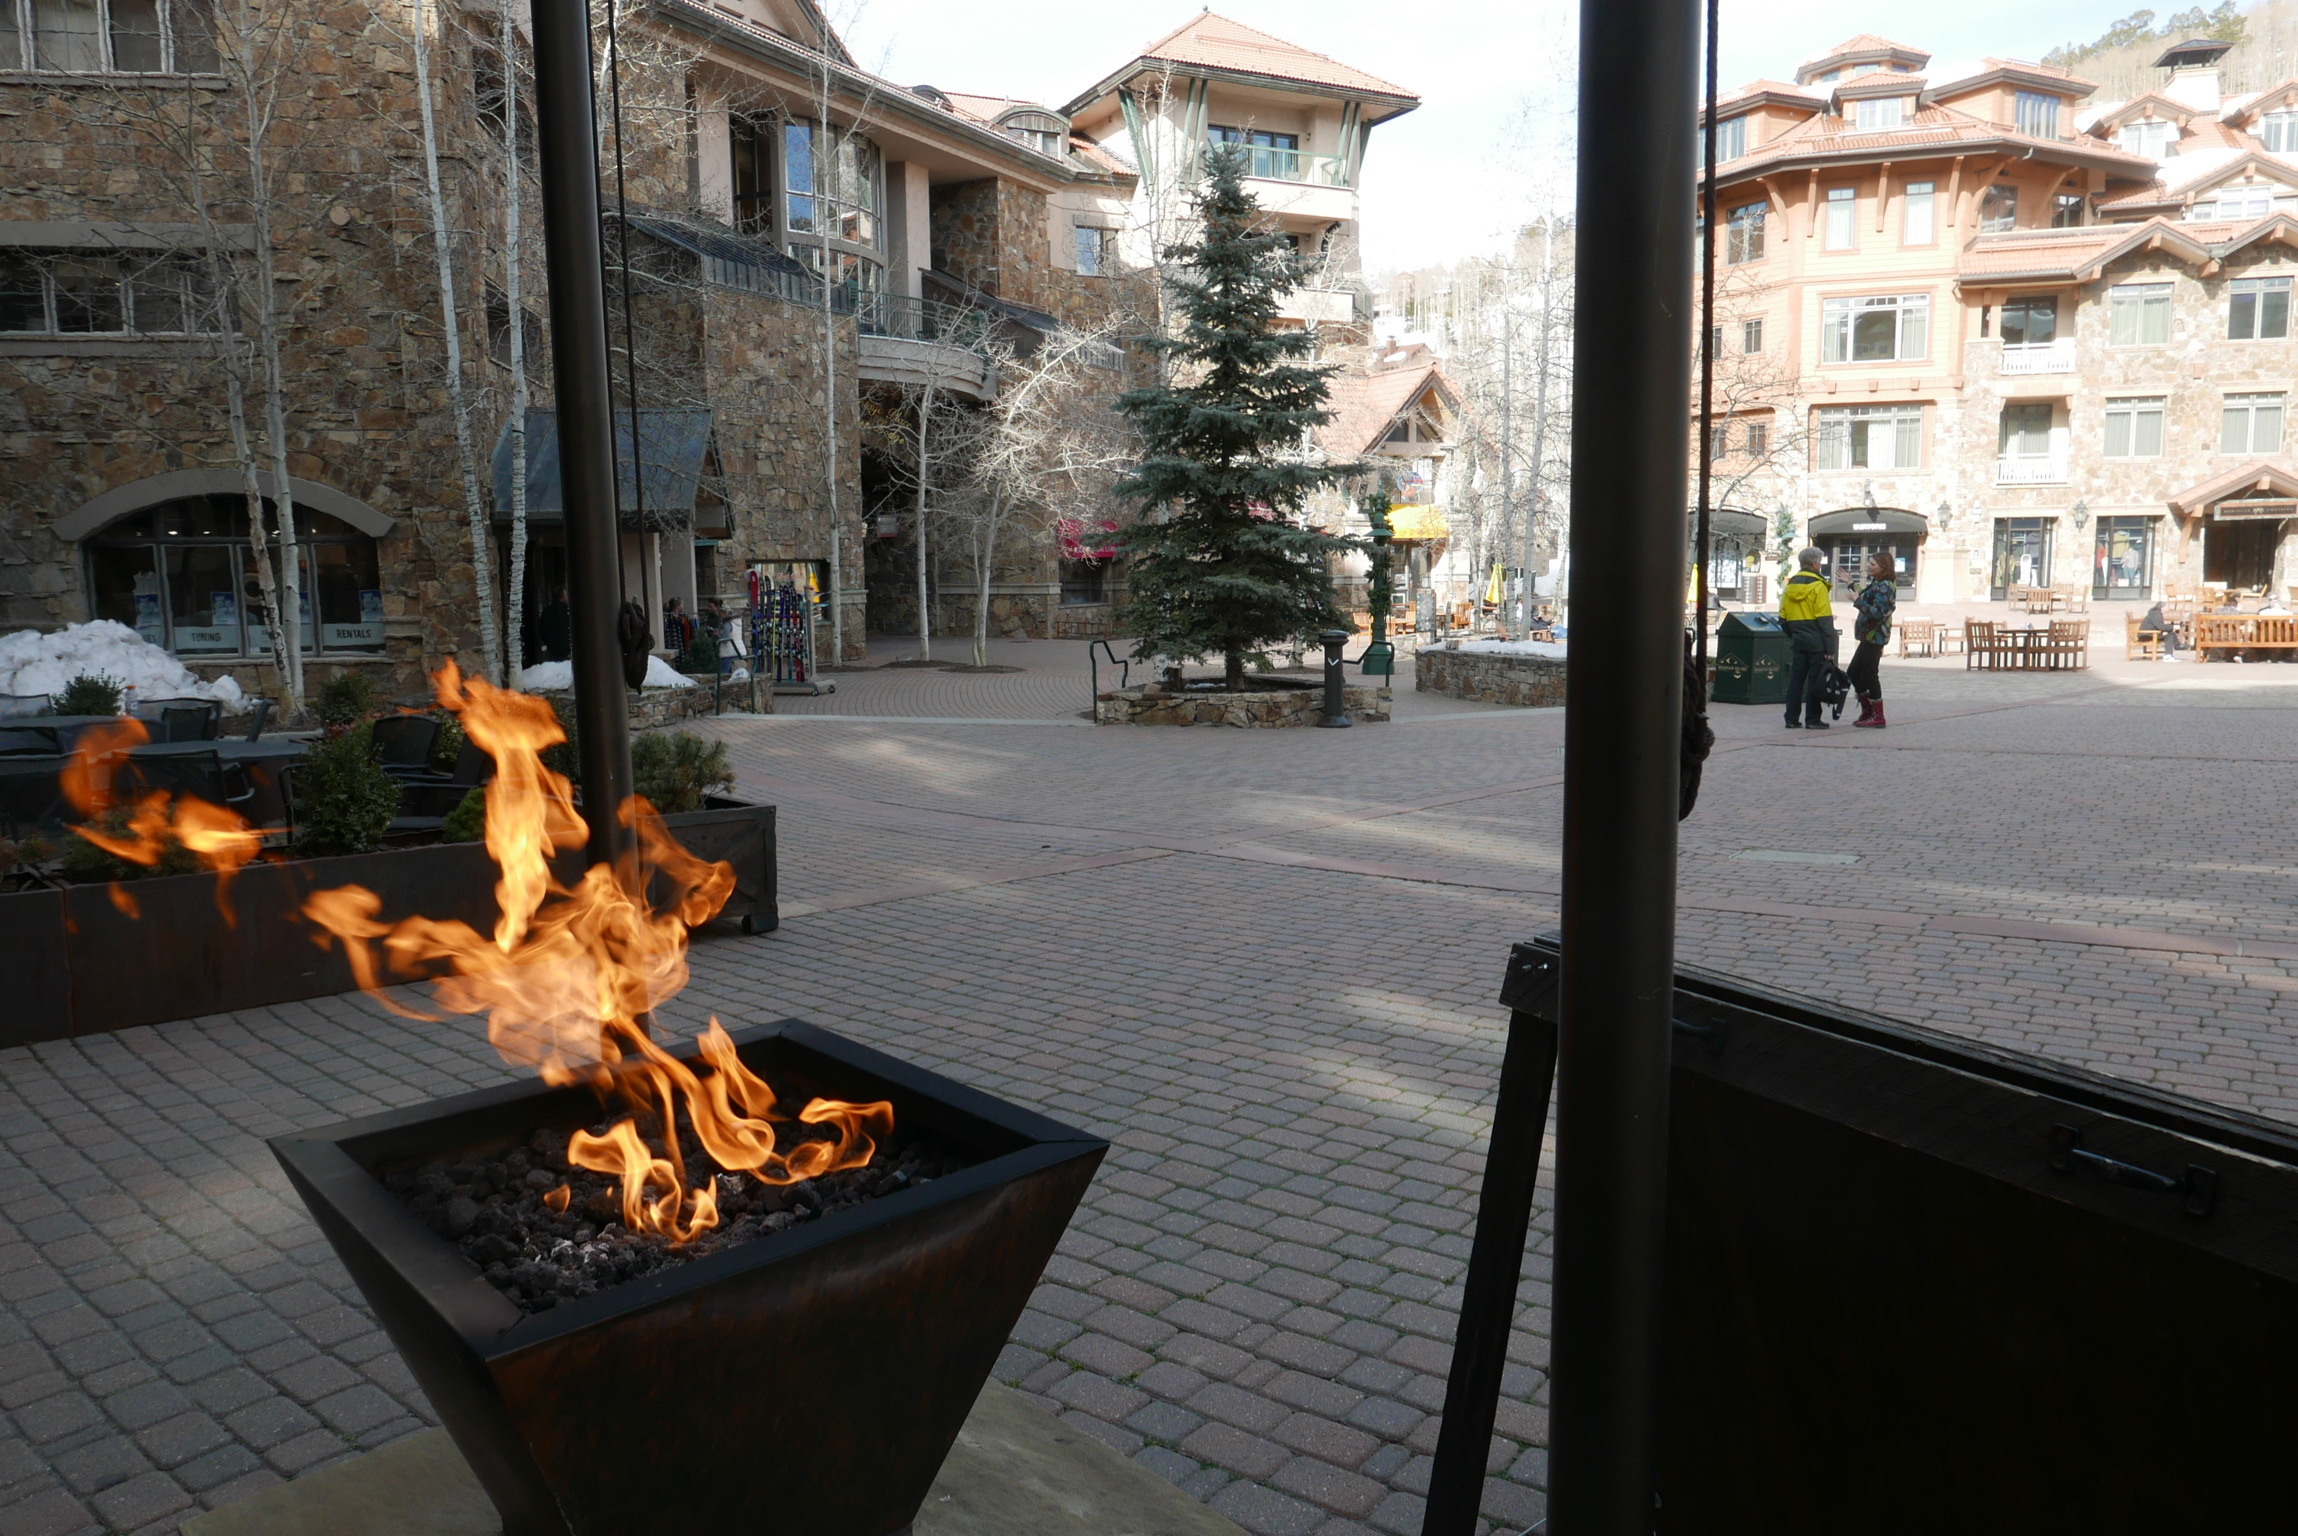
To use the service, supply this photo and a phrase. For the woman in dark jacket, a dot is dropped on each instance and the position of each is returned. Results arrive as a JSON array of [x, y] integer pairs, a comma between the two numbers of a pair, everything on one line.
[[1871, 627]]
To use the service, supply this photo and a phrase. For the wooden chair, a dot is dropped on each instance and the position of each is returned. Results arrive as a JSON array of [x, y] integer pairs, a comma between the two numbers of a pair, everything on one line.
[[2073, 599], [2138, 645], [1918, 636], [1979, 645], [2068, 648], [1950, 636]]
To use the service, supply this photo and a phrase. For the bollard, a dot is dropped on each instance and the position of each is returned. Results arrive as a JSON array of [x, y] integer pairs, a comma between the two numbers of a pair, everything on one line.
[[1336, 699]]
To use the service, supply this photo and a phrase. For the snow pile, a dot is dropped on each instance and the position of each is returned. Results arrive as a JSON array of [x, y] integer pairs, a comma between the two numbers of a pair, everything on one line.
[[1514, 648], [31, 662], [558, 676]]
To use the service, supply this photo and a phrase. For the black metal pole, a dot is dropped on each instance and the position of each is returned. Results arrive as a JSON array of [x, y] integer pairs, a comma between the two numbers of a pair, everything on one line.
[[1708, 350], [1623, 694], [566, 136], [1336, 680], [1495, 1265]]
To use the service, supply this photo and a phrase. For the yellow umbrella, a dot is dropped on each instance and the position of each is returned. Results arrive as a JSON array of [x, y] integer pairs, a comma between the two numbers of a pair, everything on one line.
[[1492, 588]]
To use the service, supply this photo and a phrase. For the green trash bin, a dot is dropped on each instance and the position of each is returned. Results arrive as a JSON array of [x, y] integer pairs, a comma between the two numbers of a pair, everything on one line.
[[1751, 660]]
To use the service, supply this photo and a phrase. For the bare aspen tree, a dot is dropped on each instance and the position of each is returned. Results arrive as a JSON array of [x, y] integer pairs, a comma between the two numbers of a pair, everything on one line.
[[458, 397], [515, 605]]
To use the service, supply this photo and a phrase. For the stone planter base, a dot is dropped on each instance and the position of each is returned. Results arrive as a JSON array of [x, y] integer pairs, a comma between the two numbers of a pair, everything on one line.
[[1154, 704], [650, 708], [1529, 682]]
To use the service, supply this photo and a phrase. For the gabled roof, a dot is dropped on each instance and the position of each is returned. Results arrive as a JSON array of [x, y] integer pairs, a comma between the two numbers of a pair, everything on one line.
[[2257, 475], [2184, 177], [2145, 104], [1212, 43], [2241, 109], [1878, 82], [2070, 255], [1864, 48], [1765, 93], [2274, 229], [1993, 71], [1365, 406], [1933, 130]]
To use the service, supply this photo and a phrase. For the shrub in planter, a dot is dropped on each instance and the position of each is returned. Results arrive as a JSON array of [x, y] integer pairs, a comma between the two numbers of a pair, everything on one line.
[[346, 699], [467, 822], [87, 864], [91, 693], [676, 770], [448, 747], [344, 799]]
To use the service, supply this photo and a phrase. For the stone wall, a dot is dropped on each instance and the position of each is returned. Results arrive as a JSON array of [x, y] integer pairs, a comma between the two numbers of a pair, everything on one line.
[[1532, 682], [1153, 704]]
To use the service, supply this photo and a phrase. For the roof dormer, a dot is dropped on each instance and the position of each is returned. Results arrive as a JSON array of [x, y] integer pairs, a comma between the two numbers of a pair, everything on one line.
[[2033, 99], [1878, 99], [1860, 55]]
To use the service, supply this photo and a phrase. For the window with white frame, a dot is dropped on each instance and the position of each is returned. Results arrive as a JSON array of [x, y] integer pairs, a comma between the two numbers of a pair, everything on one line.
[[2138, 314], [1842, 218], [2250, 424], [2278, 131], [2024, 431], [1868, 437], [2150, 138], [1918, 216], [94, 37], [1879, 112], [2134, 428], [1041, 131], [1886, 329], [1731, 138], [2036, 113], [1998, 209], [2251, 202], [2258, 309], [184, 576], [1743, 233], [106, 293], [1096, 250], [1751, 335], [1758, 439]]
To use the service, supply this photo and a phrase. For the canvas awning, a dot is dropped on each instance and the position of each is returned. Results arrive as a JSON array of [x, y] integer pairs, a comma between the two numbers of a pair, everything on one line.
[[1412, 521], [673, 445]]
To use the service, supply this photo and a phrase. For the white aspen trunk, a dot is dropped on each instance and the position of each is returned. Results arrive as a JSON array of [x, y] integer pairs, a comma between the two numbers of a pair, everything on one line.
[[925, 619], [1507, 443], [274, 380], [516, 607], [251, 484], [987, 549], [458, 400], [1540, 413], [825, 177]]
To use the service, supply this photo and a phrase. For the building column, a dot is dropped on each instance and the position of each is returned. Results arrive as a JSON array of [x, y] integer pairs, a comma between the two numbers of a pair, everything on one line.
[[909, 234]]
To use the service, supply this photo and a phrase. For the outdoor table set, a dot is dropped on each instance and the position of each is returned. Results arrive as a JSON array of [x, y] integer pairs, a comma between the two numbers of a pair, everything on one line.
[[2060, 646]]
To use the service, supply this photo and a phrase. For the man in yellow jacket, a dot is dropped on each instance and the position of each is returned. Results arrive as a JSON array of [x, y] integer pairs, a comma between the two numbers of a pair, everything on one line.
[[1808, 615]]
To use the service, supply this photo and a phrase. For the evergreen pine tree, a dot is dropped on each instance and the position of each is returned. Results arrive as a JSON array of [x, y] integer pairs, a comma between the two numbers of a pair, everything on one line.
[[1222, 559]]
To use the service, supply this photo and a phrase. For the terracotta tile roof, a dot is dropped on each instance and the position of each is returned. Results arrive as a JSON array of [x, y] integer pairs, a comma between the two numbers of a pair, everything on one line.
[[1933, 129], [1099, 159], [1865, 42], [1363, 405], [2185, 171], [1881, 77], [1216, 42], [2033, 255], [1770, 88]]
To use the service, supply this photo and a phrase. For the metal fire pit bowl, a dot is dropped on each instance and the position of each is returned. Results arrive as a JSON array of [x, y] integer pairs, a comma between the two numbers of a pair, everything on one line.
[[808, 1382]]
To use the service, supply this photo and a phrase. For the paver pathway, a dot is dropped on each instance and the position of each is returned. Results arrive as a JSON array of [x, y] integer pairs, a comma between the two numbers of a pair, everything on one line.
[[1264, 964]]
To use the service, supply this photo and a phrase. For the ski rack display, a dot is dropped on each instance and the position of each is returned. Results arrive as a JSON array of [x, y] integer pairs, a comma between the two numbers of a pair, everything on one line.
[[781, 626]]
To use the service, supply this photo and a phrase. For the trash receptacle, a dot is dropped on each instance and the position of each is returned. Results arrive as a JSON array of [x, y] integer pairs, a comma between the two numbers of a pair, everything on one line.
[[1751, 660]]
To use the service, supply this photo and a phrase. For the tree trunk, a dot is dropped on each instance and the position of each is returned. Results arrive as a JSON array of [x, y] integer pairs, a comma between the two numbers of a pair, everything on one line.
[[1540, 408], [826, 164], [290, 609], [251, 484], [925, 617], [1233, 670], [515, 607], [985, 564], [458, 402]]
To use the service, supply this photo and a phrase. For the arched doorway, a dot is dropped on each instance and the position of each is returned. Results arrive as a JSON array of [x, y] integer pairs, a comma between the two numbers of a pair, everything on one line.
[[1851, 535], [172, 558]]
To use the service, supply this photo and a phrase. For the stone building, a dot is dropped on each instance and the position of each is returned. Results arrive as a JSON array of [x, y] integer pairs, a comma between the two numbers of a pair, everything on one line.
[[802, 237], [2013, 337]]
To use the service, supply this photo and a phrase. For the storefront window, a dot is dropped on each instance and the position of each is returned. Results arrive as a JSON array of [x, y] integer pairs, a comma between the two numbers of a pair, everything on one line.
[[2022, 554], [2122, 564], [182, 575]]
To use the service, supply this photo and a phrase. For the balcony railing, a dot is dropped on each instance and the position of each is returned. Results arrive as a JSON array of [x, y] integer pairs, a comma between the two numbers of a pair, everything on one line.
[[1294, 165], [907, 319], [2039, 357], [2031, 469]]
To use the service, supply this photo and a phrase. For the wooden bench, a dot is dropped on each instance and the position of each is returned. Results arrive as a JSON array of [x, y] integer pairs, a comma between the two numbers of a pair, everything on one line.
[[1918, 636], [2244, 632]]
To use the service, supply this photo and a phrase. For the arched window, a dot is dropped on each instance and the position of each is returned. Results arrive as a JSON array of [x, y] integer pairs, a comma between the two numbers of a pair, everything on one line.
[[182, 575]]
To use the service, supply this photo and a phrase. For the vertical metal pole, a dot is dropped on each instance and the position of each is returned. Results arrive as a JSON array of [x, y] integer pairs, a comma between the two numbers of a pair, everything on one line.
[[1622, 701], [567, 140], [1708, 350], [1336, 681]]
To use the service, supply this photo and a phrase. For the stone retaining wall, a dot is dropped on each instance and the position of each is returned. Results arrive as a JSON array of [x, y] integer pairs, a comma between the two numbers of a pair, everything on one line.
[[652, 708], [1152, 704], [1534, 682]]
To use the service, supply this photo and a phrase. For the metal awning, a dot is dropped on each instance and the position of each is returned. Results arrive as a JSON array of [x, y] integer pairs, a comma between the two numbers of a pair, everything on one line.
[[1731, 523], [1869, 520], [737, 261], [1412, 521], [674, 445]]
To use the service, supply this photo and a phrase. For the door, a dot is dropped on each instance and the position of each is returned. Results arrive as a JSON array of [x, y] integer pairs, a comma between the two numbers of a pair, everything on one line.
[[2122, 559], [2022, 554], [2241, 554]]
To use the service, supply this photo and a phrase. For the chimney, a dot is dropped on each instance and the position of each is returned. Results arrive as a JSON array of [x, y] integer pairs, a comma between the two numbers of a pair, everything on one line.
[[2194, 85]]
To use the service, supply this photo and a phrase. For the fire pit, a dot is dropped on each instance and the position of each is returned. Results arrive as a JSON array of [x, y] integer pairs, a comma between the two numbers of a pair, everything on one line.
[[812, 1380]]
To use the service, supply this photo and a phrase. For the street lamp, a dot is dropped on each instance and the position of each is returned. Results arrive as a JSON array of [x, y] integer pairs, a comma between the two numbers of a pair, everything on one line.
[[2081, 513], [1379, 658]]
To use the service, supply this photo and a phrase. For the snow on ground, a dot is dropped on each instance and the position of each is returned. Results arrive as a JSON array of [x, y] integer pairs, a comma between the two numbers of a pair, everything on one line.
[[31, 662], [558, 676], [1514, 648]]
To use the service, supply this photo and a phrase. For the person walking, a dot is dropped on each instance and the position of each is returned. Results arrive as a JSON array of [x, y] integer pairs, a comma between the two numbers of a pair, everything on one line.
[[1808, 615], [1871, 627], [556, 627]]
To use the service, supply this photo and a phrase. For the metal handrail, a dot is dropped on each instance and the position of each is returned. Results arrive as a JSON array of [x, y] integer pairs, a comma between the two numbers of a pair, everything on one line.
[[901, 317], [1124, 664], [1270, 163]]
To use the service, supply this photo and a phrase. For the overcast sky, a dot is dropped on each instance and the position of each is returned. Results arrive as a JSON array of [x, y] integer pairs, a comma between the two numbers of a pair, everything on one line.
[[1450, 178]]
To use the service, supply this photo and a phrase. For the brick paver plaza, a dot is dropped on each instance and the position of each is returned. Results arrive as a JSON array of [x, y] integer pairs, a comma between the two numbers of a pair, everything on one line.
[[1264, 965]]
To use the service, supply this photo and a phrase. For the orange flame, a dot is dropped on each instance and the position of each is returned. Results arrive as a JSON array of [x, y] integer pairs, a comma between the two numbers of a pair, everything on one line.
[[215, 836], [570, 974]]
